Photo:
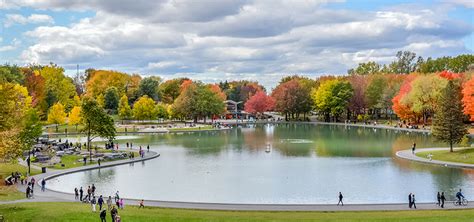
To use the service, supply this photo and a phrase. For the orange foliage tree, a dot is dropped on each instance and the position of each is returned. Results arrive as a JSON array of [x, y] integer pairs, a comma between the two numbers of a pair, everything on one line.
[[404, 111], [468, 98]]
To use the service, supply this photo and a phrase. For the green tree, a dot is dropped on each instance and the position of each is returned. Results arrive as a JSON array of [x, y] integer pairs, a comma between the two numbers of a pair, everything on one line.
[[144, 108], [367, 68], [448, 123], [56, 115], [161, 111], [375, 92], [170, 90], [124, 110], [332, 98], [149, 86], [111, 98], [96, 122], [31, 129]]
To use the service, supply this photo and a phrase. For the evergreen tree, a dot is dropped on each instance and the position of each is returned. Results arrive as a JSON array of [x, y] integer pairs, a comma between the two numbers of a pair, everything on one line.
[[448, 125]]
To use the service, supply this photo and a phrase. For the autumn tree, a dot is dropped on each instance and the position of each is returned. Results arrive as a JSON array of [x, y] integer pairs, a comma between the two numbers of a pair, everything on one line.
[[96, 122], [448, 123], [18, 122], [468, 98], [56, 115], [259, 103], [198, 101], [99, 80], [58, 87], [358, 101], [292, 98], [170, 90], [403, 109], [111, 99], [332, 98], [425, 94], [240, 91], [374, 93], [124, 110], [75, 116], [144, 108]]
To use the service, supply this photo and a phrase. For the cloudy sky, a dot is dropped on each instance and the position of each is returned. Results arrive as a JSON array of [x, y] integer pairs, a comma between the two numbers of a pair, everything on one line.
[[213, 40]]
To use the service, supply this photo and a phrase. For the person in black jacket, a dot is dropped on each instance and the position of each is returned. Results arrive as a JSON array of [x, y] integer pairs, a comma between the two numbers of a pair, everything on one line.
[[100, 201], [443, 198], [340, 199], [103, 214]]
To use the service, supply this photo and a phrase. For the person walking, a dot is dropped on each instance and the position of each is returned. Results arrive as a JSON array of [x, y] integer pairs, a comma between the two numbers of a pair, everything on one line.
[[93, 190], [81, 192], [413, 148], [93, 203], [43, 185], [148, 148], [142, 204], [100, 201], [28, 190], [340, 199], [109, 203], [89, 191], [117, 196], [33, 181], [438, 197], [443, 198], [409, 200], [102, 215], [76, 193], [413, 201], [98, 161]]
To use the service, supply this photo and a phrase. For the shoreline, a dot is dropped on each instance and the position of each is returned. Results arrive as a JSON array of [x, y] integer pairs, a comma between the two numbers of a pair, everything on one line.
[[408, 155]]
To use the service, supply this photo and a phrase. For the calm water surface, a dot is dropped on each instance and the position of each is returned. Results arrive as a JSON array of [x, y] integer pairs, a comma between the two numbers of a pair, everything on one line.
[[306, 164]]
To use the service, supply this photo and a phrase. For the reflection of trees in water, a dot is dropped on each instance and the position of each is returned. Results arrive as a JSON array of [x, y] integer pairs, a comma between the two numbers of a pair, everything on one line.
[[104, 175], [257, 137]]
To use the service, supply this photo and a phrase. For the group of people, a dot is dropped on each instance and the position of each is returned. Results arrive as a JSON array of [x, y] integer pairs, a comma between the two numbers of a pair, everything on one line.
[[14, 178], [31, 187], [113, 205]]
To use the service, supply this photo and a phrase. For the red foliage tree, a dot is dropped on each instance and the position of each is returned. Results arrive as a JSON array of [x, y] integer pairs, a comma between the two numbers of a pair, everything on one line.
[[217, 90], [450, 75], [468, 98], [404, 111], [259, 103]]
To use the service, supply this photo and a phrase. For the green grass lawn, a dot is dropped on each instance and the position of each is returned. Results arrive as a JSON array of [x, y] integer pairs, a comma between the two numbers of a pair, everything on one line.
[[82, 212], [460, 156], [10, 192]]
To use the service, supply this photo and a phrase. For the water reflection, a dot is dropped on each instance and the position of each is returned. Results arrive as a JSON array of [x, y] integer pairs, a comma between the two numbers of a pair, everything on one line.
[[280, 163]]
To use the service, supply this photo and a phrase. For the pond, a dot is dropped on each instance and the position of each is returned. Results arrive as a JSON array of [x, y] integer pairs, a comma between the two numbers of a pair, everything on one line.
[[278, 164]]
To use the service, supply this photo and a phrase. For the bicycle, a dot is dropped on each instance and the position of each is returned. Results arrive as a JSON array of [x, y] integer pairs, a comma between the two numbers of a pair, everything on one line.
[[463, 202]]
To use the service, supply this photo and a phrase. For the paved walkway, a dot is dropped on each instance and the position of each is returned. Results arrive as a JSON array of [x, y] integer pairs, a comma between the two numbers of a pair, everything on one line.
[[408, 155]]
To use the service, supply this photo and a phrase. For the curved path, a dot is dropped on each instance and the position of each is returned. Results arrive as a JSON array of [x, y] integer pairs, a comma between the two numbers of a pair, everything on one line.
[[408, 155]]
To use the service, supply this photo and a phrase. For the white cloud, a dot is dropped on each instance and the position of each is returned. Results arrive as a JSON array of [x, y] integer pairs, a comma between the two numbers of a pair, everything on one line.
[[249, 39], [12, 19], [13, 46], [465, 3]]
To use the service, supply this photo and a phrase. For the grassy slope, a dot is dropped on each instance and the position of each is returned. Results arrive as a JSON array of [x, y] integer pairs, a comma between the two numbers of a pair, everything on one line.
[[81, 212], [461, 156], [10, 192]]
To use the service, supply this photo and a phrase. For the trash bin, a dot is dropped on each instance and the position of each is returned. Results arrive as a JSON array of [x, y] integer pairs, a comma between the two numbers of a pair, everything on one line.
[[43, 169]]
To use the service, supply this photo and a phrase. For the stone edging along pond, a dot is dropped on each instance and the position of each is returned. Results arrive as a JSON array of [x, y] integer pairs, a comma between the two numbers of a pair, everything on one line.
[[408, 155]]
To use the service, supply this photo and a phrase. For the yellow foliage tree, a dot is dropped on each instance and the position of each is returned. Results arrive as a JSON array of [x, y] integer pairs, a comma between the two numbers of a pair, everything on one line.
[[75, 116], [144, 108], [100, 100], [56, 115]]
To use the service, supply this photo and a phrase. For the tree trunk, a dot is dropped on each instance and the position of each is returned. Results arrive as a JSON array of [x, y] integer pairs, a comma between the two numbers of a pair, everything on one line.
[[57, 128], [451, 146], [89, 143]]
